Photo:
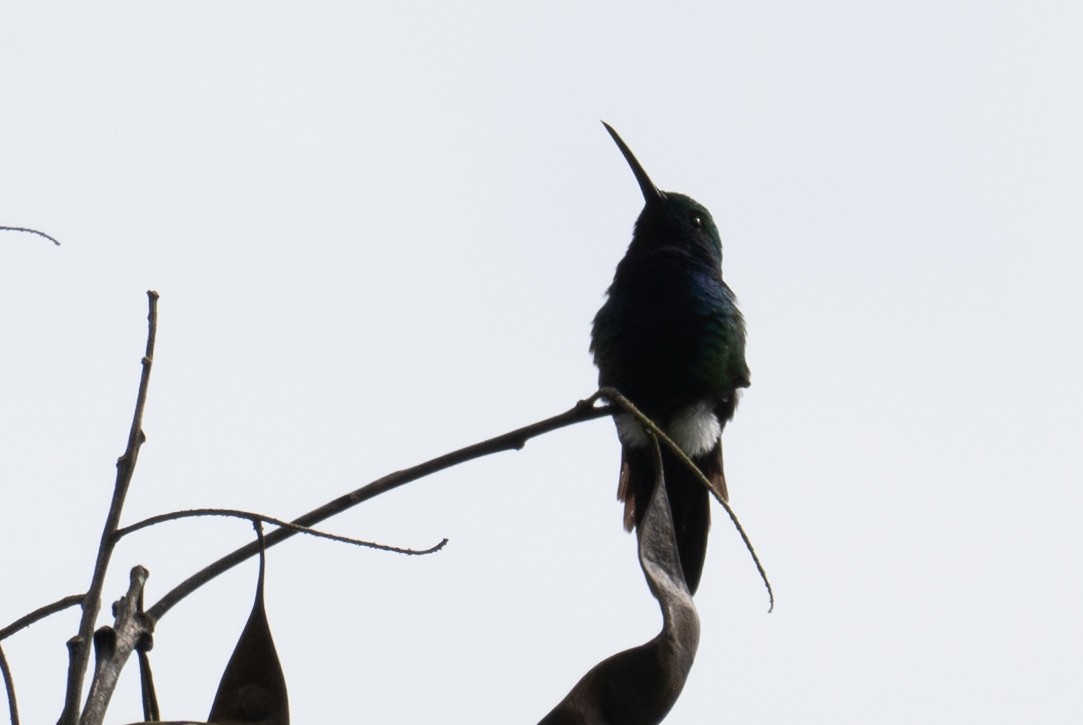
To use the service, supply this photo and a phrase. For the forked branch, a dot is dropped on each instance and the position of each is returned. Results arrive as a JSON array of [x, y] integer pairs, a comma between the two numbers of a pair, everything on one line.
[[79, 645]]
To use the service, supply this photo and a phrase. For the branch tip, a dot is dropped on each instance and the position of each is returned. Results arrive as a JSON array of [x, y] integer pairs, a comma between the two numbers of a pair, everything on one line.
[[258, 519], [28, 230]]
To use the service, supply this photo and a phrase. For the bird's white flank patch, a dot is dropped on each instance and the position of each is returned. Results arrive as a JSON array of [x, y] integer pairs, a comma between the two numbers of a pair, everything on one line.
[[695, 429], [629, 431]]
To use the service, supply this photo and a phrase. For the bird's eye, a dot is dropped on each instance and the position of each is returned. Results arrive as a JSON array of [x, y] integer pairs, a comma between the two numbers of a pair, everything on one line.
[[697, 221]]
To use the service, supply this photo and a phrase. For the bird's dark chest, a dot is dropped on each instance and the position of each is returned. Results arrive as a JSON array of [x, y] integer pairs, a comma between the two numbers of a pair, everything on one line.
[[665, 333]]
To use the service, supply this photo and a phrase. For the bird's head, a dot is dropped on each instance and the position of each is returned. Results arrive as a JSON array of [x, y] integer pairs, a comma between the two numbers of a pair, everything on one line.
[[671, 220]]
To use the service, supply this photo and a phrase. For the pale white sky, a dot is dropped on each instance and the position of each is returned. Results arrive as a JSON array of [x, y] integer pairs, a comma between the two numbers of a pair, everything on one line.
[[382, 234]]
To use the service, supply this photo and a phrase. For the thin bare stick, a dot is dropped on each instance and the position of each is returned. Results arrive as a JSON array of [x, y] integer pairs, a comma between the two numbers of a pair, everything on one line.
[[40, 613], [254, 517], [151, 712], [614, 396], [9, 685], [30, 231], [79, 646], [583, 411]]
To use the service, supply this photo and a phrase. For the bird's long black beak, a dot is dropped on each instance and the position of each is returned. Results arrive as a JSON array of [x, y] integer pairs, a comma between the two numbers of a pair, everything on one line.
[[651, 193]]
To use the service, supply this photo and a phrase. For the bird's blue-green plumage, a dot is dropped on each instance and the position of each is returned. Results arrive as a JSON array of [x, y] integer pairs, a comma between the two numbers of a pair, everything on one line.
[[671, 339]]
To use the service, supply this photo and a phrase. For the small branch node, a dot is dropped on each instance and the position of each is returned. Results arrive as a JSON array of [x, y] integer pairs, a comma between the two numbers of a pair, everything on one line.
[[114, 645], [105, 643]]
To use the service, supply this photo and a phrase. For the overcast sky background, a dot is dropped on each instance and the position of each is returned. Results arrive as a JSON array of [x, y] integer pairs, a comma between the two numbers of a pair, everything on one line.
[[380, 235]]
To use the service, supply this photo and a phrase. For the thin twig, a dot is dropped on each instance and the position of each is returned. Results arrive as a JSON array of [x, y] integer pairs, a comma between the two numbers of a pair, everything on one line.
[[9, 685], [614, 396], [30, 231], [514, 440], [79, 646], [254, 517], [151, 712], [40, 613]]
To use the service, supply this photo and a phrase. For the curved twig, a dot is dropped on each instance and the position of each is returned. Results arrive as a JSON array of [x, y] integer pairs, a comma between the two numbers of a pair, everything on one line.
[[254, 517], [40, 613], [9, 686], [614, 396], [28, 230]]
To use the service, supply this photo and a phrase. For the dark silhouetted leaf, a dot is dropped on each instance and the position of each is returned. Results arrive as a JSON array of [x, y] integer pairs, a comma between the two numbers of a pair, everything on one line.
[[640, 685], [253, 688]]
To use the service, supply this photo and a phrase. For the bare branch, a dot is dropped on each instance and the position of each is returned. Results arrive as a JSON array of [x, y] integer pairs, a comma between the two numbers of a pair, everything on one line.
[[78, 649], [30, 231], [254, 517], [9, 686], [40, 613], [151, 712], [583, 411]]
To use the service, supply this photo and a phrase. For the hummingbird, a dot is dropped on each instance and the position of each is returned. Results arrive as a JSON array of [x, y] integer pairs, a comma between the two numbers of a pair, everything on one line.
[[671, 339]]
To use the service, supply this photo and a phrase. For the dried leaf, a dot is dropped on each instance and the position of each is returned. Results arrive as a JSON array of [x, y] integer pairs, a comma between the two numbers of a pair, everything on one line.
[[253, 688], [640, 685]]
